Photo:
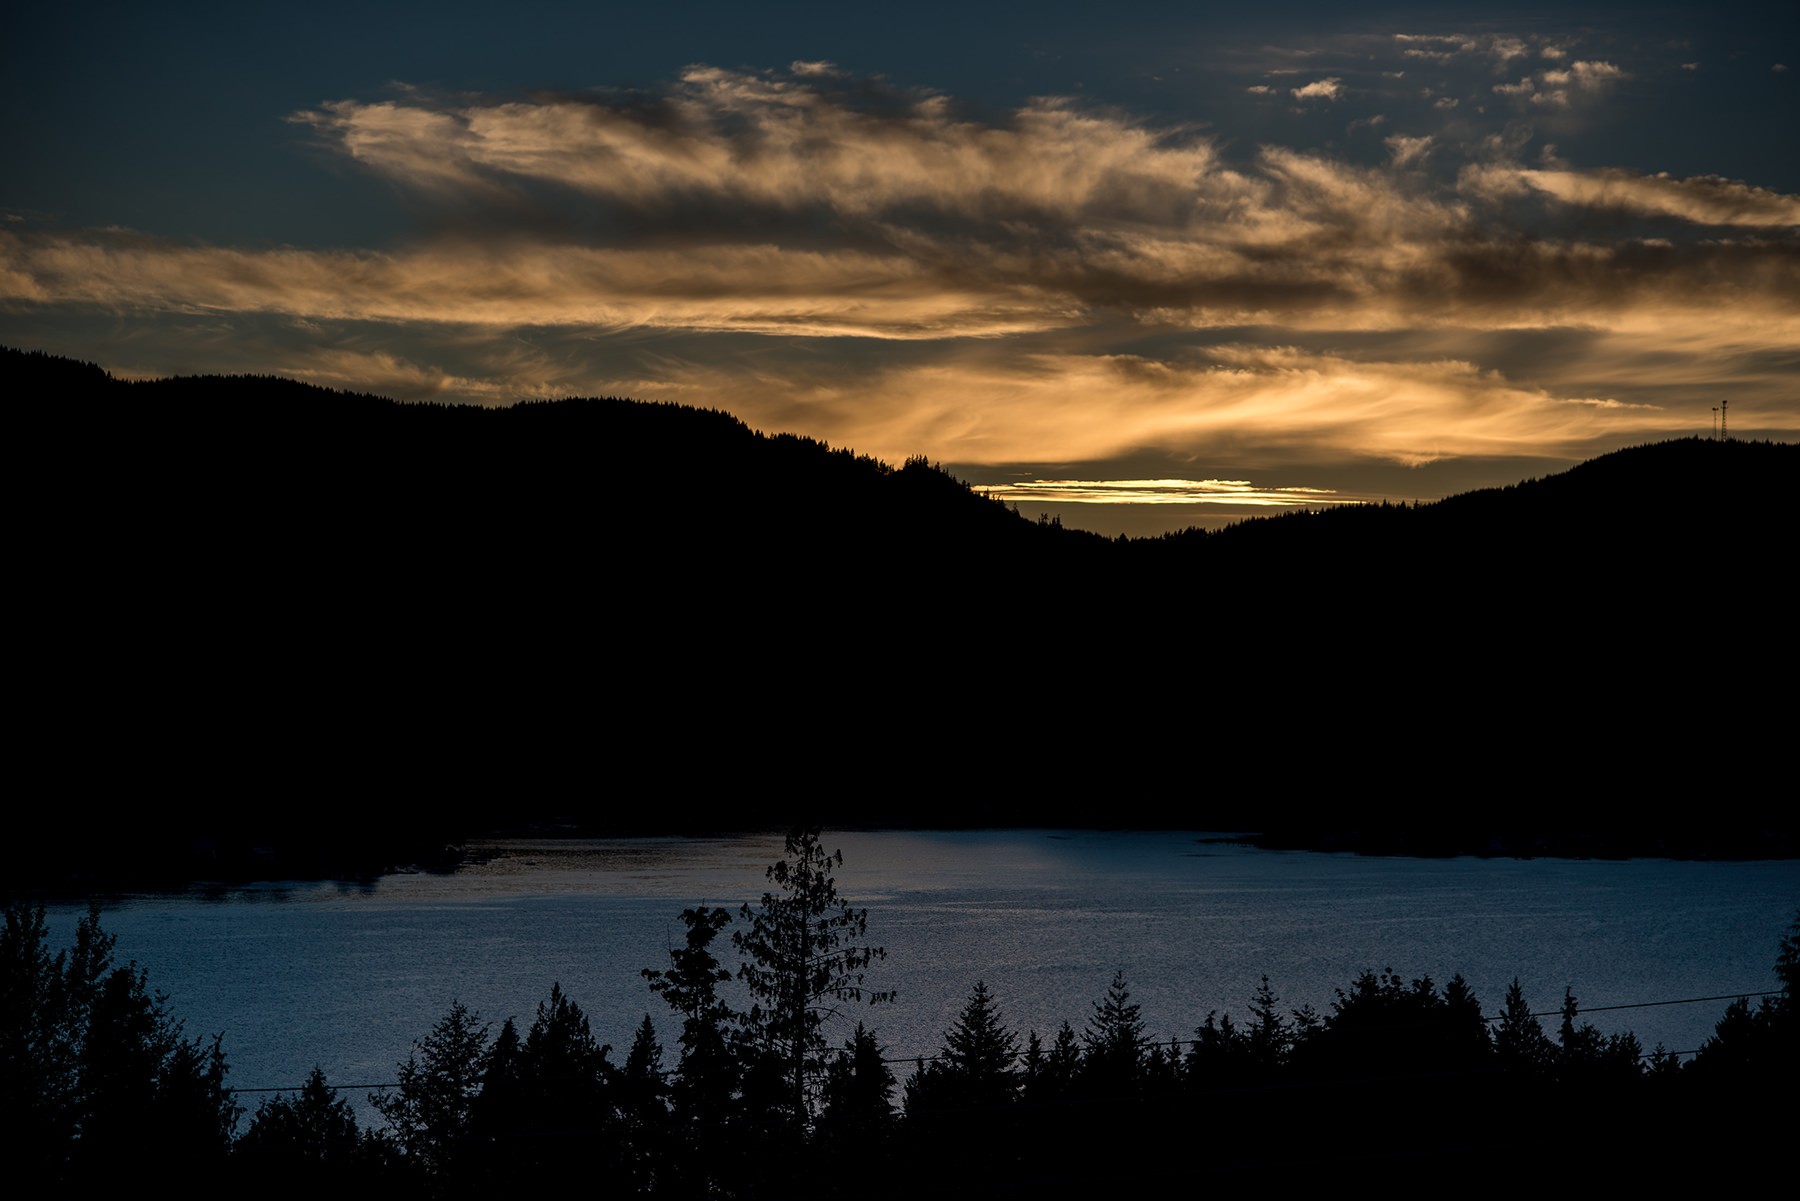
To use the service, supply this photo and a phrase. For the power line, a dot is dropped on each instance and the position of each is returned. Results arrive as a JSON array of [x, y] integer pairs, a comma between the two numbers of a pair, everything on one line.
[[1730, 996], [1189, 1042], [390, 1084]]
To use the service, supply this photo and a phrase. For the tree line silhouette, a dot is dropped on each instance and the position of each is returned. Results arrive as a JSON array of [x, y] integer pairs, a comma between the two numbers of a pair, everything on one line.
[[100, 1086]]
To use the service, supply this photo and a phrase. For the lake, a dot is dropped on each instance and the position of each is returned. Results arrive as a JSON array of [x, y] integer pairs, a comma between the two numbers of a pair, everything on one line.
[[345, 976]]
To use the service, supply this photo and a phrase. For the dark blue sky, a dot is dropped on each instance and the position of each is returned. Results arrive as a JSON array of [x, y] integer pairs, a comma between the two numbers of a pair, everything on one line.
[[173, 119]]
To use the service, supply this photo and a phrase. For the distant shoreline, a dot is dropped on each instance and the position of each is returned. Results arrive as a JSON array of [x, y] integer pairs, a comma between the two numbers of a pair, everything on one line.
[[176, 862]]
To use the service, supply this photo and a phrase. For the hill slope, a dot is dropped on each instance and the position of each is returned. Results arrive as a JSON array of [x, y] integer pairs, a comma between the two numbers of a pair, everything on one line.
[[252, 579]]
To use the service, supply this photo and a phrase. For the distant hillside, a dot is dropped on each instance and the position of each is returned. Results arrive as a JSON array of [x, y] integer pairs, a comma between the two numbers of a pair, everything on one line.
[[1639, 511], [441, 487], [660, 473], [250, 586]]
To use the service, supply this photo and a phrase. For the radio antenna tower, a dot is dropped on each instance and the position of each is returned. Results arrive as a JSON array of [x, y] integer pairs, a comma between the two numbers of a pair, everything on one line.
[[1724, 433], [1715, 424]]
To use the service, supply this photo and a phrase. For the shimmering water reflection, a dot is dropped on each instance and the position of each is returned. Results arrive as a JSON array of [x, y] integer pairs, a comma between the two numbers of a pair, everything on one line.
[[346, 976]]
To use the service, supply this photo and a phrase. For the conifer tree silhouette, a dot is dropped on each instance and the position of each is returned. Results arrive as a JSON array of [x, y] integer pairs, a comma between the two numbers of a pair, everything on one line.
[[804, 963]]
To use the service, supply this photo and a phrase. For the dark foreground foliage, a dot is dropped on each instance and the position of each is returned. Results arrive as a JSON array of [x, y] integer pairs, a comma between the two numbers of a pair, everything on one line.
[[1403, 1080], [98, 1085]]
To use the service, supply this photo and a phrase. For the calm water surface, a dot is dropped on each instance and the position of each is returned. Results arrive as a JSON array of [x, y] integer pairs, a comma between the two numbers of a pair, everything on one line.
[[346, 976]]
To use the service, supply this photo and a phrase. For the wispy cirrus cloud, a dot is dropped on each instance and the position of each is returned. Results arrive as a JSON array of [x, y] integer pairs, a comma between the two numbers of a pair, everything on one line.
[[979, 404], [1703, 200], [1023, 257], [751, 288], [1408, 151], [1299, 241], [784, 144]]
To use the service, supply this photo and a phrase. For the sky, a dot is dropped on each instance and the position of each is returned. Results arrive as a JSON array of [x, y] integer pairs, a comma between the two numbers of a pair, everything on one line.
[[1143, 265]]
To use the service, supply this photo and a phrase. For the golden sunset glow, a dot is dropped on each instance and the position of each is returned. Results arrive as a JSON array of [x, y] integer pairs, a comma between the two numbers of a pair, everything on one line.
[[1163, 492], [1066, 282]]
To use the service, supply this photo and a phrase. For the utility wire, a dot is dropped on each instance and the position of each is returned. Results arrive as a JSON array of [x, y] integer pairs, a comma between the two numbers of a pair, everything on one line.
[[1186, 1042]]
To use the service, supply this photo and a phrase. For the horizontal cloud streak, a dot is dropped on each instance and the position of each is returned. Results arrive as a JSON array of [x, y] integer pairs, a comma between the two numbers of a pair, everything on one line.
[[1705, 200], [1164, 492], [1306, 243], [759, 289], [983, 406], [788, 144]]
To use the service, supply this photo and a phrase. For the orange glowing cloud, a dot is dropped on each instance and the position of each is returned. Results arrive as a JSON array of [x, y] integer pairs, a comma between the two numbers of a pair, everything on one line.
[[1006, 267], [754, 288], [1704, 200], [981, 406], [784, 144]]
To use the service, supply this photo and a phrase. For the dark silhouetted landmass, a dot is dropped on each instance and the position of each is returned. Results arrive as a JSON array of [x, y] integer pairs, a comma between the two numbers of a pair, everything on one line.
[[252, 592]]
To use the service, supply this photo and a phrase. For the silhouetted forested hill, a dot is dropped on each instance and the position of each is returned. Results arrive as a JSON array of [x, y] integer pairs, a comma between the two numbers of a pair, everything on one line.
[[250, 586], [1631, 515]]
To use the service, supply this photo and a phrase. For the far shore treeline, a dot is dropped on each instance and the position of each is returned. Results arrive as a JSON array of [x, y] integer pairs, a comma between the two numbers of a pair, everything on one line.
[[1413, 1082], [183, 848], [253, 579]]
